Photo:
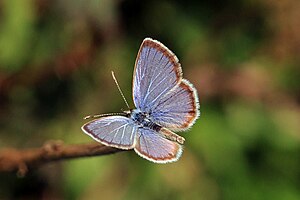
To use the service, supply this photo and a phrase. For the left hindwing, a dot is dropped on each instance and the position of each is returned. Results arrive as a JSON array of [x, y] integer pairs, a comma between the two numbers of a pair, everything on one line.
[[154, 146]]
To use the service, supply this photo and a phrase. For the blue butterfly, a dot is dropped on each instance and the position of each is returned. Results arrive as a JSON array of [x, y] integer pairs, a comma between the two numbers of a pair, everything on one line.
[[164, 101]]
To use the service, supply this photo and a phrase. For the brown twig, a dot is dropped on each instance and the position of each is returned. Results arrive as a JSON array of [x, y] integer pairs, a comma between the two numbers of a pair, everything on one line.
[[21, 160]]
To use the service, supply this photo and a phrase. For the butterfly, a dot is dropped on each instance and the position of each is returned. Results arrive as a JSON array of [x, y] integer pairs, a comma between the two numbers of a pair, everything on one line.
[[164, 101]]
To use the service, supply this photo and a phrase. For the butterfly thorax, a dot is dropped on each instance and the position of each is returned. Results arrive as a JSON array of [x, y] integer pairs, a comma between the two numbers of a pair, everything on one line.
[[143, 120]]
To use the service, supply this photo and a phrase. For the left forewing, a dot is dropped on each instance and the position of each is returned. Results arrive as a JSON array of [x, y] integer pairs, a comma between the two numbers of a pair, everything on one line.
[[114, 131]]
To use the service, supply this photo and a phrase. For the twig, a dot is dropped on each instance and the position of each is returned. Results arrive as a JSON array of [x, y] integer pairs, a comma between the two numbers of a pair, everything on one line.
[[21, 160]]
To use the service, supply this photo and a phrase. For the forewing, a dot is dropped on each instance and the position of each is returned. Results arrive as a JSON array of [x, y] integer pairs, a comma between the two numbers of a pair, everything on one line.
[[156, 72], [153, 146], [115, 131], [178, 109]]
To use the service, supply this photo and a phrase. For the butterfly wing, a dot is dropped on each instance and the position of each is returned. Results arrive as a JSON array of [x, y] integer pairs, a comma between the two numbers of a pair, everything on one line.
[[115, 131], [158, 88], [178, 109], [157, 71], [153, 146]]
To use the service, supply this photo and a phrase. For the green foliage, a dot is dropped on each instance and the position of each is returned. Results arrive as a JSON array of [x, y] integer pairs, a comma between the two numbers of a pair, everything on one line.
[[55, 64], [16, 33]]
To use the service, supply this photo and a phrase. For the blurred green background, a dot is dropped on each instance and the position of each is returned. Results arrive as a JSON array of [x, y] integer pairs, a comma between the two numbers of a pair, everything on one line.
[[241, 55]]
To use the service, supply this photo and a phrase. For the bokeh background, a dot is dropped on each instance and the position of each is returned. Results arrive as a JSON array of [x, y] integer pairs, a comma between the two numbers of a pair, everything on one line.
[[241, 55]]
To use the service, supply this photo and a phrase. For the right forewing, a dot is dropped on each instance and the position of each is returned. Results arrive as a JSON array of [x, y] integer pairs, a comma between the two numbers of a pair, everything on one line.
[[157, 71]]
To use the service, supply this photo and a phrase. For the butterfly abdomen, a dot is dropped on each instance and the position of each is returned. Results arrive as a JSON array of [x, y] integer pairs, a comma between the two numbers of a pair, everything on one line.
[[152, 126]]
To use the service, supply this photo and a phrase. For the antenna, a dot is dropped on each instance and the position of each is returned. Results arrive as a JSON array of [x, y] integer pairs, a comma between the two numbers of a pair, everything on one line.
[[103, 115], [113, 75]]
